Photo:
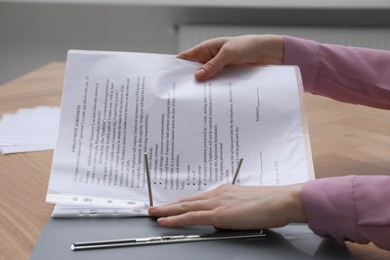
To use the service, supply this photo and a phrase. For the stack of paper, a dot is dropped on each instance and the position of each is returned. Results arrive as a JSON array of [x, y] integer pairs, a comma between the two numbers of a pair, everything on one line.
[[117, 107], [29, 130]]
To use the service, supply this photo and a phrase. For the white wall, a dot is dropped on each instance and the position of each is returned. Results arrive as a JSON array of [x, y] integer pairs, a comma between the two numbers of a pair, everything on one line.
[[33, 34]]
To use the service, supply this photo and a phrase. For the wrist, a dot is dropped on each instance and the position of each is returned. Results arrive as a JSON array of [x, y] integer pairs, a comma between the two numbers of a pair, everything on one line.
[[295, 204], [273, 49]]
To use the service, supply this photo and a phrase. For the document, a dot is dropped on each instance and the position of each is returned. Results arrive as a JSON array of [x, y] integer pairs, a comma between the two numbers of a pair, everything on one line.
[[117, 106]]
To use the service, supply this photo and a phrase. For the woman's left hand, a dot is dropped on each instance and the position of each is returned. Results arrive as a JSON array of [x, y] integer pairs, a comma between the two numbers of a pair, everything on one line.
[[235, 207]]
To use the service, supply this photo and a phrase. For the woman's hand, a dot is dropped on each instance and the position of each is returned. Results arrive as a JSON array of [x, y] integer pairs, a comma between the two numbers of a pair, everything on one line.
[[247, 50], [235, 207]]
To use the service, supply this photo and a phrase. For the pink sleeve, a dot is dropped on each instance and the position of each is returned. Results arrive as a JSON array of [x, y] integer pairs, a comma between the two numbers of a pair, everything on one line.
[[348, 74], [354, 208]]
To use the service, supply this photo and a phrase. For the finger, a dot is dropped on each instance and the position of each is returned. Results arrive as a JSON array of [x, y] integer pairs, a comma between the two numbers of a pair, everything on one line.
[[180, 208], [213, 66], [190, 218], [189, 55], [210, 69], [198, 53], [200, 196], [204, 51]]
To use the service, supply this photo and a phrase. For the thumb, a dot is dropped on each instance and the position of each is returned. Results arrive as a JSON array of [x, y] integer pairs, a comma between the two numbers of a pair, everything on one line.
[[212, 67]]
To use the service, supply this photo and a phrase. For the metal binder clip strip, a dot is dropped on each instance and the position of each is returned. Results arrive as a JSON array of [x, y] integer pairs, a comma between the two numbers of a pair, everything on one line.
[[166, 240]]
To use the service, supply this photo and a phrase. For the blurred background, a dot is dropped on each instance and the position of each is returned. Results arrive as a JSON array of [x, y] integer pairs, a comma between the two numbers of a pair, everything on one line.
[[34, 33]]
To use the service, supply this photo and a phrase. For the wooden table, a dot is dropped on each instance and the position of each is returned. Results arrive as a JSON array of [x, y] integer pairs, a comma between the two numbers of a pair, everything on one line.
[[345, 139]]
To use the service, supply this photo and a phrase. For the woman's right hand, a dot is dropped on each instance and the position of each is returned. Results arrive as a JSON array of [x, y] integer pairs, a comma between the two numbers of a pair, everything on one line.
[[240, 51]]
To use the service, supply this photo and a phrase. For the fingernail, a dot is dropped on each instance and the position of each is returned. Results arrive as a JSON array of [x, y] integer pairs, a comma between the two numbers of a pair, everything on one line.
[[200, 73], [160, 220]]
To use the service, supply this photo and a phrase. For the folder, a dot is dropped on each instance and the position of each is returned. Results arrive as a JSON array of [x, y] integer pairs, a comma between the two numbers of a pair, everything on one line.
[[295, 241]]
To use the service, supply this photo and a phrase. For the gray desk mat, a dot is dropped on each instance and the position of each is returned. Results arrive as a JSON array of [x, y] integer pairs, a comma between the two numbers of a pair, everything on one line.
[[294, 241]]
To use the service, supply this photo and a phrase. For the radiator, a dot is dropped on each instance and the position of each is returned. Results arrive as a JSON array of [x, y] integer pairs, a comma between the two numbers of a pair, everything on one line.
[[378, 38]]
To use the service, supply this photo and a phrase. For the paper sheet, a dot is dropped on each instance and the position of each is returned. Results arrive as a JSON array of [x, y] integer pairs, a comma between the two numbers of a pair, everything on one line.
[[29, 129], [117, 106]]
